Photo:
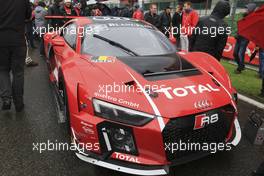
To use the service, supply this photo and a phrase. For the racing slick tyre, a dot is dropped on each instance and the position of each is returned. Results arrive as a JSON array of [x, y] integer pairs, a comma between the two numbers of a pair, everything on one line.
[[65, 107]]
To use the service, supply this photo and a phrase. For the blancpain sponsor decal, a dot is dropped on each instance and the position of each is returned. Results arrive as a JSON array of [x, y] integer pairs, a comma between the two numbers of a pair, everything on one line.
[[117, 100], [169, 92], [127, 158]]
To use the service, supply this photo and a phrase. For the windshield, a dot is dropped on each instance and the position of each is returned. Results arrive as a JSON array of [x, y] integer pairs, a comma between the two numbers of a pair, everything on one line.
[[144, 41]]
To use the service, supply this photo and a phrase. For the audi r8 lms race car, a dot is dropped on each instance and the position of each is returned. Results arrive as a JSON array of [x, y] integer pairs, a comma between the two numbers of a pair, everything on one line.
[[139, 105]]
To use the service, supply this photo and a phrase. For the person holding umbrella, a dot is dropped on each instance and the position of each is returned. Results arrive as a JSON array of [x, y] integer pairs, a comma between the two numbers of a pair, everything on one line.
[[242, 43], [261, 69], [249, 27], [261, 60]]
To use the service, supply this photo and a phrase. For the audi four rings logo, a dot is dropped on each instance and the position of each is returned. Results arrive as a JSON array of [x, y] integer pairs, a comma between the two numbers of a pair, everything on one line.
[[203, 104]]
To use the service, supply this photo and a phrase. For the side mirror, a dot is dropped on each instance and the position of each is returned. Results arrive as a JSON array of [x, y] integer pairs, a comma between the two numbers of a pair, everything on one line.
[[58, 41]]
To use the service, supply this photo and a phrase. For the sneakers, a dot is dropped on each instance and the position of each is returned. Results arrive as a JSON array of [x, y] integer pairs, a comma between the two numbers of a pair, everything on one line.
[[32, 64], [261, 94], [6, 105], [255, 173], [237, 71], [19, 106]]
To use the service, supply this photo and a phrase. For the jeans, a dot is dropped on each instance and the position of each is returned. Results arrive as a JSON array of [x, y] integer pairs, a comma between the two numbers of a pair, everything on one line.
[[12, 59], [239, 53], [261, 63], [184, 42], [262, 90]]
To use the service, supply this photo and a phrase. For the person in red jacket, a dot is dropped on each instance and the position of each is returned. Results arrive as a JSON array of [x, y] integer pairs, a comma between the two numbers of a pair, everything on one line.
[[67, 9], [138, 14], [77, 9], [190, 19]]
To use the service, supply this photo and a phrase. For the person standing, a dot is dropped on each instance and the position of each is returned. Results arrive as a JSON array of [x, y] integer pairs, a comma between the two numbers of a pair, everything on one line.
[[242, 43], [54, 10], [176, 23], [212, 44], [84, 11], [126, 11], [262, 90], [96, 11], [261, 69], [67, 9], [261, 60], [78, 8], [152, 17], [29, 29], [138, 14], [13, 51], [40, 23], [166, 21], [190, 19]]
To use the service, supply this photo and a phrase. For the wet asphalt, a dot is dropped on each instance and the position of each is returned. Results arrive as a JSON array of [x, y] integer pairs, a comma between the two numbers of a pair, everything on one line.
[[18, 133]]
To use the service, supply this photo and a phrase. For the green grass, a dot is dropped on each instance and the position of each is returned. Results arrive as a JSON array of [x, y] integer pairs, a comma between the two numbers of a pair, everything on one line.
[[246, 83]]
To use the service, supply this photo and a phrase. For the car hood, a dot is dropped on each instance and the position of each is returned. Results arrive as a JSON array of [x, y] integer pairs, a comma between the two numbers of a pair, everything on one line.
[[186, 91]]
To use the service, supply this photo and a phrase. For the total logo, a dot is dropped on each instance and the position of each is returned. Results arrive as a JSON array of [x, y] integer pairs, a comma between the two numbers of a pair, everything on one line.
[[203, 120], [169, 92], [126, 158]]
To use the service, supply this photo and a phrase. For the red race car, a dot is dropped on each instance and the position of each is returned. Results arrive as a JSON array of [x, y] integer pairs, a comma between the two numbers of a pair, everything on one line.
[[132, 102]]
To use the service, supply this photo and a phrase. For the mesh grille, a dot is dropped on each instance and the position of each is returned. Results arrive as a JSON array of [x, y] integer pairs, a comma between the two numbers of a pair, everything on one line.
[[181, 130]]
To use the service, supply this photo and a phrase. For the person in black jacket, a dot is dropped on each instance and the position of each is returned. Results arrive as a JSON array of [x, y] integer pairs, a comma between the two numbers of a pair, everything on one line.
[[166, 21], [13, 51], [54, 10], [176, 23], [212, 43], [152, 17]]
